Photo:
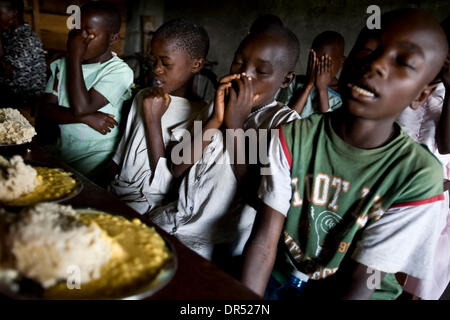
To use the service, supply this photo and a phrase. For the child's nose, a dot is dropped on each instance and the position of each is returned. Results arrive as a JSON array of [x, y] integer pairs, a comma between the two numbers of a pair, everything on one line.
[[158, 68], [249, 72], [379, 65]]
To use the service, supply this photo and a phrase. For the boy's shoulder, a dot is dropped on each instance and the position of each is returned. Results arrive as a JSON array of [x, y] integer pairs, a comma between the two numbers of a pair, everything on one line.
[[117, 65], [419, 153]]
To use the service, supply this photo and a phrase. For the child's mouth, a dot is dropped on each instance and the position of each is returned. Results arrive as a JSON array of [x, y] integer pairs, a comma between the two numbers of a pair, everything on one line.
[[159, 83], [358, 92]]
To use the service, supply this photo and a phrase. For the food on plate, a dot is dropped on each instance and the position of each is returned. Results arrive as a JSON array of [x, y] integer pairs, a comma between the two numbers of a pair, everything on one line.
[[23, 185], [16, 178], [14, 127], [82, 254]]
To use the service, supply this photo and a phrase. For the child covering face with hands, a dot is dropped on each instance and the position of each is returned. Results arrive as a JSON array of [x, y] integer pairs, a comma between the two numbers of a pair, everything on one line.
[[318, 92], [86, 90], [211, 214]]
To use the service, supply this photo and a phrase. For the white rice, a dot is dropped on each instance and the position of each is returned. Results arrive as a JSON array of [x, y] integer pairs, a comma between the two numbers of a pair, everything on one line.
[[16, 178], [14, 127], [49, 244]]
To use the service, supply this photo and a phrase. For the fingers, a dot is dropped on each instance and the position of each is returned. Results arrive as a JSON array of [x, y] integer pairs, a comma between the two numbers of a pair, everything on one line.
[[112, 122], [230, 78], [222, 90]]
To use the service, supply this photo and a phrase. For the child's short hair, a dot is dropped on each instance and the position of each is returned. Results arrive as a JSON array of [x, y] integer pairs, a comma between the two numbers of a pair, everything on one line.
[[13, 5], [265, 21], [187, 36], [326, 38], [108, 11]]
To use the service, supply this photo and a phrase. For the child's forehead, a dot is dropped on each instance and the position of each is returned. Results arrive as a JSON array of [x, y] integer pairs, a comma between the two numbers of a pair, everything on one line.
[[169, 47], [95, 20], [265, 48]]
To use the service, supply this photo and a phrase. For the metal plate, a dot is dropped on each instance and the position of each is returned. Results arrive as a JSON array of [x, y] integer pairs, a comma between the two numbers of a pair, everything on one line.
[[31, 290]]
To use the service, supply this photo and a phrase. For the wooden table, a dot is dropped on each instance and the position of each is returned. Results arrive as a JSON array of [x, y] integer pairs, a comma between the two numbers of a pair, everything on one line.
[[195, 278]]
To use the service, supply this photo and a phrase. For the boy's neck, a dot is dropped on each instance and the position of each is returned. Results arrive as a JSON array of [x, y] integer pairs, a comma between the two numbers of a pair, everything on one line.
[[363, 133], [186, 91]]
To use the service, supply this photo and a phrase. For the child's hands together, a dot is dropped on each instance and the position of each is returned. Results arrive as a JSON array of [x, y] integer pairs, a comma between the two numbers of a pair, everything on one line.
[[312, 66], [78, 42], [240, 100], [99, 121], [323, 72], [155, 104]]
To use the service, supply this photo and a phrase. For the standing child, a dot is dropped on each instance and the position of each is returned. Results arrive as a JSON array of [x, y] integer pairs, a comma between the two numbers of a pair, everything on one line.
[[351, 196], [209, 211], [318, 93], [22, 59], [86, 91], [178, 49]]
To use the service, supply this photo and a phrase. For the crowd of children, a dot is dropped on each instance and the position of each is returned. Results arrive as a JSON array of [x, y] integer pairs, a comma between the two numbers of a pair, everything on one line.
[[339, 191]]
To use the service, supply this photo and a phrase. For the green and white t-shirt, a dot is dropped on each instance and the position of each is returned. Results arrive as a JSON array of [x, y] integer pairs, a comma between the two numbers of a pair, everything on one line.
[[334, 194], [79, 145]]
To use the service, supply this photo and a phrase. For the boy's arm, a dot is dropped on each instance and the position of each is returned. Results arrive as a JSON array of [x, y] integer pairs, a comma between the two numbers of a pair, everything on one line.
[[238, 108], [359, 284], [443, 129], [300, 103], [261, 249], [154, 105], [323, 80], [51, 111], [214, 123], [81, 100]]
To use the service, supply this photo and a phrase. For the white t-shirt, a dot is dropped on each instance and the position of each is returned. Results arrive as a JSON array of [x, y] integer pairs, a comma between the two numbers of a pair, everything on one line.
[[134, 183], [210, 210]]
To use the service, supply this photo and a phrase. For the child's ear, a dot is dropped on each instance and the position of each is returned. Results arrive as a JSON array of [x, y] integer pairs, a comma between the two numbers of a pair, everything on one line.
[[197, 65], [114, 38], [288, 79], [423, 95]]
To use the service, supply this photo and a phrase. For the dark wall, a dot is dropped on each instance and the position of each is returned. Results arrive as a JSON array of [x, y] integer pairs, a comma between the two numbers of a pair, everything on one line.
[[227, 21]]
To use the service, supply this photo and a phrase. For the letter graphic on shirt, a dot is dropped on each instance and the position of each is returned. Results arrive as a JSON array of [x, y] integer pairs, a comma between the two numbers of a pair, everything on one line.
[[296, 199], [321, 187], [294, 248], [340, 185], [377, 209]]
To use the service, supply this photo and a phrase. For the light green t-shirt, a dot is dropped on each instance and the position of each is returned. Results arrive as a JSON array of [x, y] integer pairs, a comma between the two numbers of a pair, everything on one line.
[[312, 103], [79, 145]]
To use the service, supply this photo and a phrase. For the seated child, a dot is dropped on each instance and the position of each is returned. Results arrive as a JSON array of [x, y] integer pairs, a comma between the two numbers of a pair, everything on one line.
[[22, 59], [179, 49], [429, 124], [351, 196], [86, 91], [318, 93], [208, 212]]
